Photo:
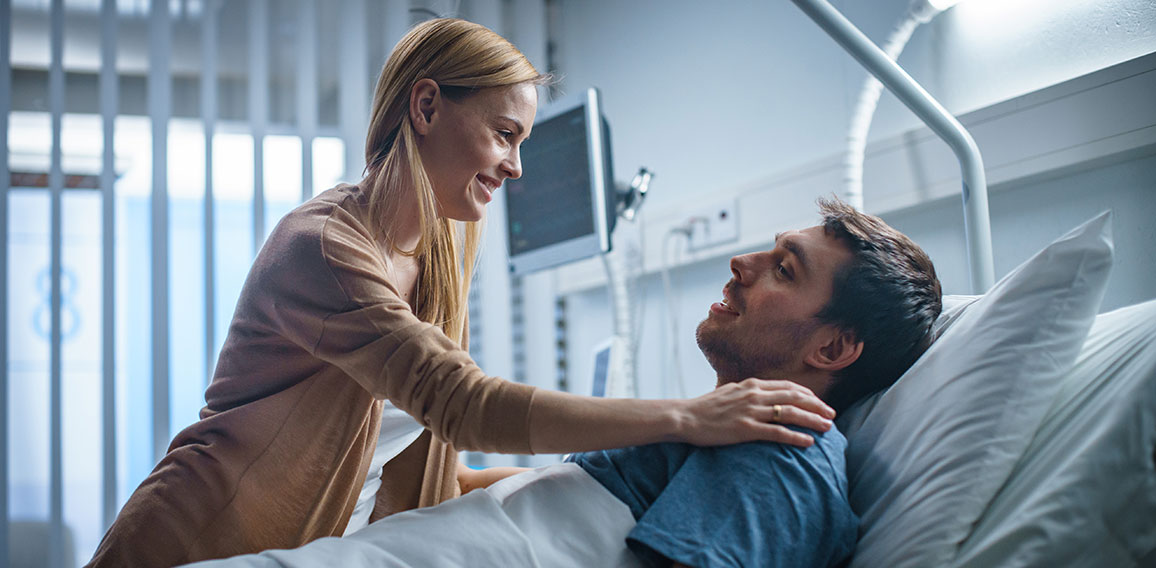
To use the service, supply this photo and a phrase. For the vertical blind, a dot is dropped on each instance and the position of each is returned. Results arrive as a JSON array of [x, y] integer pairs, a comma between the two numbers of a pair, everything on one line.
[[139, 175]]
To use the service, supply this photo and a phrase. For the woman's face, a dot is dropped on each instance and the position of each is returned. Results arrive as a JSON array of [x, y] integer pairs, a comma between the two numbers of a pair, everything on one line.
[[471, 145]]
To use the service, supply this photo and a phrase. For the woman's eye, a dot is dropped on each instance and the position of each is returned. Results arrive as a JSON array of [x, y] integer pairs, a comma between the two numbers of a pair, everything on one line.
[[506, 134]]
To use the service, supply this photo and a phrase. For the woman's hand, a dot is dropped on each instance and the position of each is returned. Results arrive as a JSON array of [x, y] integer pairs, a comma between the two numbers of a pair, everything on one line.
[[754, 409]]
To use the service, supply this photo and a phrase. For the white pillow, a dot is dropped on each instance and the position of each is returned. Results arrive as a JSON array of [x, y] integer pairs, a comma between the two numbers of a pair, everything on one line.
[[1084, 491], [925, 458]]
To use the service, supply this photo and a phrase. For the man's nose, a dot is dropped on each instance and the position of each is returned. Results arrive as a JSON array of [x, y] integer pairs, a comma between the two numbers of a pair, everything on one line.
[[747, 267], [739, 266]]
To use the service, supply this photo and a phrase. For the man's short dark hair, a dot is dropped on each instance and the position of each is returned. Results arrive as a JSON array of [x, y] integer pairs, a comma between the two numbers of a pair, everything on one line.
[[887, 295]]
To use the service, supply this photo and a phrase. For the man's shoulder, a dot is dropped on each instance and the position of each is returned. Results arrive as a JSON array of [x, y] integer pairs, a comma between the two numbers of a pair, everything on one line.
[[824, 460], [826, 443], [828, 446]]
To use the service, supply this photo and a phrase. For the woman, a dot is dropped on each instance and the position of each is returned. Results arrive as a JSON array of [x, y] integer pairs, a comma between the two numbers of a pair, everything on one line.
[[357, 298]]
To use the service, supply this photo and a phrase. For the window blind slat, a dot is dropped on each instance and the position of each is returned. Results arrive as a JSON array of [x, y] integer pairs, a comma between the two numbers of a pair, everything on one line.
[[108, 104], [258, 109], [56, 189], [160, 108], [209, 118]]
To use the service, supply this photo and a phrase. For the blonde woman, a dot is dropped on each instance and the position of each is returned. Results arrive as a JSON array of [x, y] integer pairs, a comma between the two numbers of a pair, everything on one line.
[[354, 313]]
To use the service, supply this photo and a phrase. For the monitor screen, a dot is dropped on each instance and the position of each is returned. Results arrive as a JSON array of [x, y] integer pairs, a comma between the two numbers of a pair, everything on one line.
[[562, 208]]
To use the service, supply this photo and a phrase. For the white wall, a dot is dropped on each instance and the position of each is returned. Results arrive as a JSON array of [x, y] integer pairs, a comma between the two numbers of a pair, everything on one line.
[[1025, 218], [718, 97], [713, 95]]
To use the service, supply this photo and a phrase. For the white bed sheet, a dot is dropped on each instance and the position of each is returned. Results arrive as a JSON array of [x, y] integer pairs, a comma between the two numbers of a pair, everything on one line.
[[555, 516]]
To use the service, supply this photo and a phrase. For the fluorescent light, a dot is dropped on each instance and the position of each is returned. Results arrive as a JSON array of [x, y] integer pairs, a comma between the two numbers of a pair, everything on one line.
[[925, 10], [941, 5]]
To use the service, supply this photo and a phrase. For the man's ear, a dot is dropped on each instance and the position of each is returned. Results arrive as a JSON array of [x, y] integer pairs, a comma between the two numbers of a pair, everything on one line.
[[424, 98], [838, 349]]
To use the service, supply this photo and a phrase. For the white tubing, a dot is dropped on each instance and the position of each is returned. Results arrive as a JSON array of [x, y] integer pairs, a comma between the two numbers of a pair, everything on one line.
[[668, 293], [865, 111], [622, 379]]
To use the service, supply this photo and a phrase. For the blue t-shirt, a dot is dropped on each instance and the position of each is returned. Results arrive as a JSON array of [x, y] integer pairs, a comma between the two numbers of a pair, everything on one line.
[[753, 504]]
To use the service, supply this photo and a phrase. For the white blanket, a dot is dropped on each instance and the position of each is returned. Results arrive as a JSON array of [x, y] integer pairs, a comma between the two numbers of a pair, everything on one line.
[[555, 516]]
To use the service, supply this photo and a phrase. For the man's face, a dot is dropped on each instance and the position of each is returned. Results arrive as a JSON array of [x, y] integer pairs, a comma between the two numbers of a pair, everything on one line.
[[767, 318]]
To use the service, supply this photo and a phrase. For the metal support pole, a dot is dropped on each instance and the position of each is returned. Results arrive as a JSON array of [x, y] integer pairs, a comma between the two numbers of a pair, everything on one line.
[[976, 218]]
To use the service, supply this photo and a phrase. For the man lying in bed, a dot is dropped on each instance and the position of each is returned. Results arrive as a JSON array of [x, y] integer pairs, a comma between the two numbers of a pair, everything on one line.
[[843, 309]]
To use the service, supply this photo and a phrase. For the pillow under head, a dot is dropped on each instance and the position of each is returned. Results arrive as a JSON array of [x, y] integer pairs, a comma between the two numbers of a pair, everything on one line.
[[926, 457]]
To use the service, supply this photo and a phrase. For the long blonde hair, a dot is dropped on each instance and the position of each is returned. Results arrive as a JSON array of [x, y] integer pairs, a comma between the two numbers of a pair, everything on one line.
[[454, 53]]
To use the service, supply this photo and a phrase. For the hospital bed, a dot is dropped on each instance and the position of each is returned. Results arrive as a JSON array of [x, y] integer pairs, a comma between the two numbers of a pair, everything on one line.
[[1024, 436]]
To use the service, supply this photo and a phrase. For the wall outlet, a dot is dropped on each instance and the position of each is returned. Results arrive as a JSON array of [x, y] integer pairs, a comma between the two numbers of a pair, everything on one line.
[[713, 225]]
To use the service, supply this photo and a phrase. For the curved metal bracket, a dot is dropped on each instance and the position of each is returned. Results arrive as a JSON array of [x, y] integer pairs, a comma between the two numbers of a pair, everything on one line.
[[977, 221]]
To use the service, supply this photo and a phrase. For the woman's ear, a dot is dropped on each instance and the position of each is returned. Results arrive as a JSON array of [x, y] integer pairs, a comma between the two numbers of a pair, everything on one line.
[[423, 101], [838, 350]]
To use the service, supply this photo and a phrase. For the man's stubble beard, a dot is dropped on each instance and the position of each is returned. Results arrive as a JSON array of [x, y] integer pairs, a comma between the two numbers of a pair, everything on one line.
[[766, 356]]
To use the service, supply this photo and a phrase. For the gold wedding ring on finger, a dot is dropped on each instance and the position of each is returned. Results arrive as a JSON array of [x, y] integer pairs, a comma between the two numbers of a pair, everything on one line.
[[776, 413]]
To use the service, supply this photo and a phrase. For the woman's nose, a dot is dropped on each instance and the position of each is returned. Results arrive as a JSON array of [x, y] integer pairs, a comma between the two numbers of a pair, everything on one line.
[[512, 166]]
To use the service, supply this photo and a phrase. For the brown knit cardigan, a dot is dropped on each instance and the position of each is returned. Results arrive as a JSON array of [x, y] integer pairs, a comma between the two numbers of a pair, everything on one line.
[[320, 336]]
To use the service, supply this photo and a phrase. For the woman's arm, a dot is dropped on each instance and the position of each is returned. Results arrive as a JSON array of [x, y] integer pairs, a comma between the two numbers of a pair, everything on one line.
[[471, 479], [371, 334], [732, 413]]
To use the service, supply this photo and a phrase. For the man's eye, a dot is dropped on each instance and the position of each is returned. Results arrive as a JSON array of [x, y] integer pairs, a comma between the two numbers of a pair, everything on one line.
[[506, 134], [783, 272]]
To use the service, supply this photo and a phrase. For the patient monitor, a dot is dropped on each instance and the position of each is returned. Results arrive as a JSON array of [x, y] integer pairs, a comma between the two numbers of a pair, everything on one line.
[[565, 205]]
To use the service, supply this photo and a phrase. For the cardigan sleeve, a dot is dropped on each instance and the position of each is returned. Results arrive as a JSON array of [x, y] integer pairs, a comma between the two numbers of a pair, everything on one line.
[[372, 335]]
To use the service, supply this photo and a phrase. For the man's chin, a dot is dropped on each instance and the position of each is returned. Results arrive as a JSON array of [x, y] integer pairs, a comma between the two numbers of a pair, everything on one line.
[[715, 349], [705, 326], [703, 334]]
